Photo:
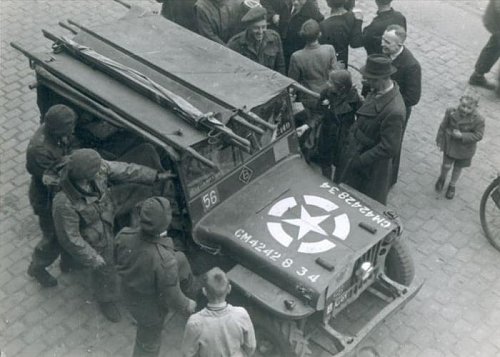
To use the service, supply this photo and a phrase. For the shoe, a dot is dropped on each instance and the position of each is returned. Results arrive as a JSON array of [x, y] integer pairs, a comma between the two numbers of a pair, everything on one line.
[[480, 81], [450, 192], [42, 276], [110, 311], [439, 185]]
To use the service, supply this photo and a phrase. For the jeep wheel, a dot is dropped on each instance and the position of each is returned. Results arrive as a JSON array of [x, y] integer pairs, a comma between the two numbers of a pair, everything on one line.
[[279, 338], [399, 264]]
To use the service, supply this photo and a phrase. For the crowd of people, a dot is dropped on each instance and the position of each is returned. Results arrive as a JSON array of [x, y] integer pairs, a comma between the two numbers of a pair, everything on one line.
[[294, 38], [354, 137]]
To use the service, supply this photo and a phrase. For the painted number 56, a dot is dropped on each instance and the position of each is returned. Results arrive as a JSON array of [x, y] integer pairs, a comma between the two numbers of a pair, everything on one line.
[[210, 199]]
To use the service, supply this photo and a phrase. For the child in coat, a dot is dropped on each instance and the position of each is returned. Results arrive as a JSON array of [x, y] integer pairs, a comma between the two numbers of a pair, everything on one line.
[[457, 137]]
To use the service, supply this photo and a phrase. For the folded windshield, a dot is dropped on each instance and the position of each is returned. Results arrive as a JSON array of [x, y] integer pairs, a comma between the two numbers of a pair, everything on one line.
[[225, 155]]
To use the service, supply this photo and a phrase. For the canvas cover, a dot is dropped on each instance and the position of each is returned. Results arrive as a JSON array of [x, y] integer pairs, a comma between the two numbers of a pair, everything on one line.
[[202, 64]]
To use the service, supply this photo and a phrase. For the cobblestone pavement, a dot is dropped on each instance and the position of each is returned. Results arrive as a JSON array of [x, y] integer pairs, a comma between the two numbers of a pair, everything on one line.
[[457, 312]]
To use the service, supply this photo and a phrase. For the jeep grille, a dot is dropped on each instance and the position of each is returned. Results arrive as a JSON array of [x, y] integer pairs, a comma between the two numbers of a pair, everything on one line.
[[354, 286]]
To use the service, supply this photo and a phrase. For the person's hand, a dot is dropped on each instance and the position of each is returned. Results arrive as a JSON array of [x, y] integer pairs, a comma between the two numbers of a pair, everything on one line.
[[302, 129], [276, 19], [162, 176], [358, 14], [99, 262], [456, 134], [340, 65], [191, 308], [325, 102]]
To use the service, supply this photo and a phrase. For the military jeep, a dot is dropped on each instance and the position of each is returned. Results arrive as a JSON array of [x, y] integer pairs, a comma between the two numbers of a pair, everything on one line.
[[317, 265]]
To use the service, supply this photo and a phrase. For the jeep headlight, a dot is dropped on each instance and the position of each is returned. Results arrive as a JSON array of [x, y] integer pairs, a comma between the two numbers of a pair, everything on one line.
[[364, 271]]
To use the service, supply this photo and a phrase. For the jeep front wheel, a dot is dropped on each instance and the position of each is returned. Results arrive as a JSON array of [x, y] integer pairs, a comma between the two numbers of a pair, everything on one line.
[[399, 263], [278, 338]]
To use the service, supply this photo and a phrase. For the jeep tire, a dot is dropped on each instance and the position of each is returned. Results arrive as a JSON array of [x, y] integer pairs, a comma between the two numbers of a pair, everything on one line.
[[399, 263], [278, 337]]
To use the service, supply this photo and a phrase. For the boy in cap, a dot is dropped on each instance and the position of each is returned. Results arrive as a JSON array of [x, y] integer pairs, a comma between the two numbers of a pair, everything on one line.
[[84, 210], [50, 143], [257, 42], [220, 329], [152, 274]]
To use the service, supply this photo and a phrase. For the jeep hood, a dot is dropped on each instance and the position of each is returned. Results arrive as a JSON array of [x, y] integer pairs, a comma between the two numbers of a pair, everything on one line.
[[294, 228]]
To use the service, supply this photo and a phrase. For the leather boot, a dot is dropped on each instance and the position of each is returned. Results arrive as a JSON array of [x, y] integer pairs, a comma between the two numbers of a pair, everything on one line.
[[42, 276], [110, 310]]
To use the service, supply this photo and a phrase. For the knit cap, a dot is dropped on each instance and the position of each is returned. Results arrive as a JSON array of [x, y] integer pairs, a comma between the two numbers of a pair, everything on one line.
[[155, 215]]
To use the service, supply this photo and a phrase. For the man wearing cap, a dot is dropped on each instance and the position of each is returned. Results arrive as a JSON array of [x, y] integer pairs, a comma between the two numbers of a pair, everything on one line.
[[386, 15], [84, 210], [375, 138], [50, 143], [153, 274], [257, 42]]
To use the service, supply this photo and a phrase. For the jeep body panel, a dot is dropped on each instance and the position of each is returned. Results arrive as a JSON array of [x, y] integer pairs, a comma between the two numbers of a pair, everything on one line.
[[303, 235]]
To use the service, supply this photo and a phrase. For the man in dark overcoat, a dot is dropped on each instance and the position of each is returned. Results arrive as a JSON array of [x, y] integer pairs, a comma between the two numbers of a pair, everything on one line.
[[180, 12], [278, 14], [386, 15], [153, 274], [218, 20], [491, 51], [375, 137], [408, 76], [51, 142], [257, 42]]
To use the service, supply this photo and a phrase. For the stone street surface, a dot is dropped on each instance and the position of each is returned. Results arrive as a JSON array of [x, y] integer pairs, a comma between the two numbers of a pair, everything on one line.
[[457, 312]]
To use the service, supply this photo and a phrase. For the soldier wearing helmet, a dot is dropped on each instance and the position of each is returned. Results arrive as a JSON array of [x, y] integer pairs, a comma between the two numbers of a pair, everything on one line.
[[50, 143], [84, 210]]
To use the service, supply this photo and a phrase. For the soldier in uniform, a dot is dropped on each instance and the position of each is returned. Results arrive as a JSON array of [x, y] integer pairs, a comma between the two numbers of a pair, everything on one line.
[[257, 42], [152, 274], [50, 143], [84, 210]]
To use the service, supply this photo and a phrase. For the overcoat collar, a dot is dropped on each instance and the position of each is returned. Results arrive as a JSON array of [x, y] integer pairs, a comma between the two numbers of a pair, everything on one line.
[[372, 106]]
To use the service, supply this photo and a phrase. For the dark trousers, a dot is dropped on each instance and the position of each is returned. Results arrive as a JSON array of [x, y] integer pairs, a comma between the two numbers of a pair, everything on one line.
[[397, 157], [489, 55], [48, 249], [150, 314]]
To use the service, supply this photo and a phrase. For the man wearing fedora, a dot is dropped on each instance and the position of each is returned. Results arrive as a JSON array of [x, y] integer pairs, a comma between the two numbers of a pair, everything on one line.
[[375, 138], [259, 43]]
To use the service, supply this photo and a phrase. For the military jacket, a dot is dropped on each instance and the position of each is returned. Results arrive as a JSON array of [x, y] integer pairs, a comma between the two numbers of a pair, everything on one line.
[[43, 153], [148, 266], [269, 53], [84, 221]]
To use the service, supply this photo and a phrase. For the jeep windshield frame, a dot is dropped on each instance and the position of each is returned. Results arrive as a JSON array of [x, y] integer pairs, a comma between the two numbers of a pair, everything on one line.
[[228, 157]]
